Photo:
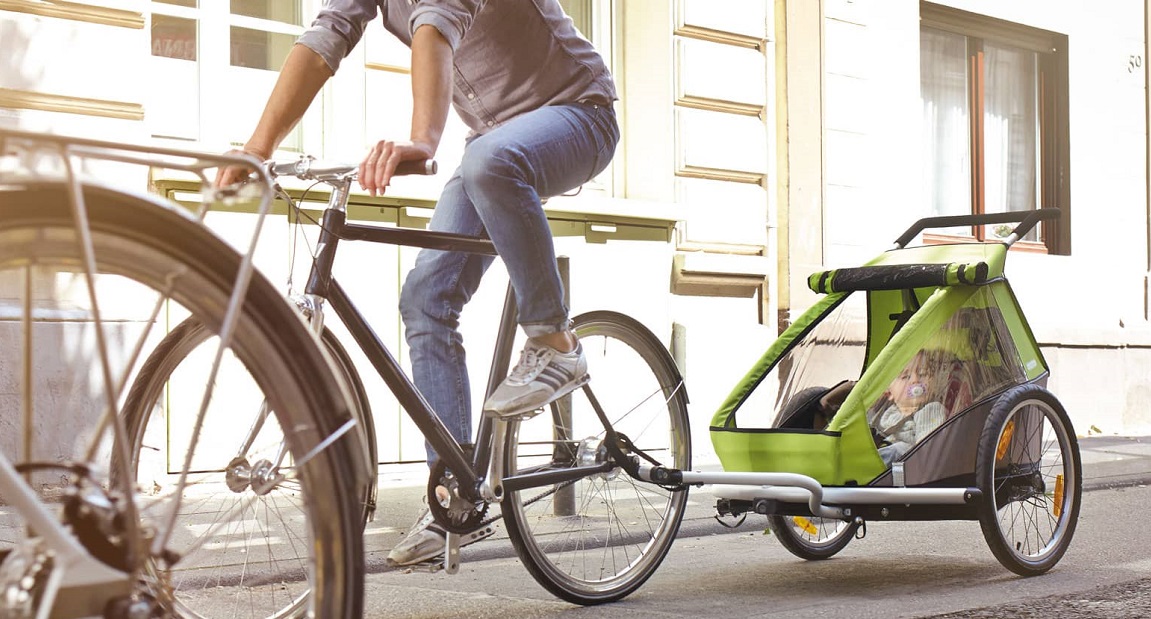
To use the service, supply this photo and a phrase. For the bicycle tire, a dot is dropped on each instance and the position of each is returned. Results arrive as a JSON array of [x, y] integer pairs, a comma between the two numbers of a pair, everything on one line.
[[811, 538], [580, 540], [1029, 472], [144, 410], [189, 335], [158, 252]]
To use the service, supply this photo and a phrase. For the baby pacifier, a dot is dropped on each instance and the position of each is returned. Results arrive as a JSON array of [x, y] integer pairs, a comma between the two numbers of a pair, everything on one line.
[[916, 390]]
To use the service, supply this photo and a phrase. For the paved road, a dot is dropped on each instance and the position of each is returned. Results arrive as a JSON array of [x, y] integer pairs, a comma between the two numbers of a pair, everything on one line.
[[1131, 600], [914, 570]]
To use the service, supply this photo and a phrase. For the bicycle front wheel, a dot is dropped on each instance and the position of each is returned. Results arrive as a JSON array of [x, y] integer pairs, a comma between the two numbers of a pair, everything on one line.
[[78, 321], [237, 485], [599, 538]]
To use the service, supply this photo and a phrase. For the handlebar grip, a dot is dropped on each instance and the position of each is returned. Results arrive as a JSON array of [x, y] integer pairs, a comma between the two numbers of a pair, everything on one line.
[[423, 167], [286, 168], [308, 168]]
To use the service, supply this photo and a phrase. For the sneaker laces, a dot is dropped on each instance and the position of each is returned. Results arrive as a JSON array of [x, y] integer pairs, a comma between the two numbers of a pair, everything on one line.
[[530, 360]]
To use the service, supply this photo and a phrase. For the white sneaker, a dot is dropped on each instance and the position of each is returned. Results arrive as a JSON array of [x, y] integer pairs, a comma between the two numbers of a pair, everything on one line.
[[426, 540], [542, 375]]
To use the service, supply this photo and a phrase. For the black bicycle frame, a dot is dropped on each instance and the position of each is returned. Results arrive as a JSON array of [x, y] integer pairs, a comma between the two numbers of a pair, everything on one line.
[[334, 228]]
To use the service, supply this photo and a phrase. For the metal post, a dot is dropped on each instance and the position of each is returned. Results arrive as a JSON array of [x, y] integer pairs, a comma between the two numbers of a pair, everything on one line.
[[564, 504], [679, 347]]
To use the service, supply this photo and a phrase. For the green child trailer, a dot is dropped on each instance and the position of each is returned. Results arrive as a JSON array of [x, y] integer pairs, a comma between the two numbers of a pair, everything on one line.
[[913, 389]]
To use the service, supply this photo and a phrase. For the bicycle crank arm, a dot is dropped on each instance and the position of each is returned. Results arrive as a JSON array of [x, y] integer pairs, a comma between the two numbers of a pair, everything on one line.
[[451, 553]]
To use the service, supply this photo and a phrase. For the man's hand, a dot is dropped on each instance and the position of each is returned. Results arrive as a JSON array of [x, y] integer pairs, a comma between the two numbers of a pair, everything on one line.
[[379, 165], [431, 99], [231, 175]]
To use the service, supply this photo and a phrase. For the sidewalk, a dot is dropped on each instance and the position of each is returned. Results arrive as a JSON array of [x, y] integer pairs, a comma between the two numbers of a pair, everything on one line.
[[1113, 461], [1108, 462]]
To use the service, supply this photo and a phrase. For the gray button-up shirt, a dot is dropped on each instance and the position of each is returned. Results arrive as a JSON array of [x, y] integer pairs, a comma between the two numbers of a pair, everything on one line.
[[511, 56]]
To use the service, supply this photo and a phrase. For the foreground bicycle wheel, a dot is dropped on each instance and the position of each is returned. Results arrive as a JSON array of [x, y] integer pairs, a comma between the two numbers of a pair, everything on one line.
[[1029, 472], [74, 348], [239, 471], [598, 539]]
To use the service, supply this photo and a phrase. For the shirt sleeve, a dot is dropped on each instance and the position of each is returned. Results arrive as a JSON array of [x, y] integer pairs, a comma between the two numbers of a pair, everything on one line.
[[453, 18], [338, 28]]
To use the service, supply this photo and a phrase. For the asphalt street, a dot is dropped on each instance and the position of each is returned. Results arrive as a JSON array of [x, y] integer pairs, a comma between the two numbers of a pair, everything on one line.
[[492, 583]]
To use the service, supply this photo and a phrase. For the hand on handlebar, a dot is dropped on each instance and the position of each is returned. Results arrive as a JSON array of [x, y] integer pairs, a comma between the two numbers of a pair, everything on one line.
[[232, 175], [379, 165]]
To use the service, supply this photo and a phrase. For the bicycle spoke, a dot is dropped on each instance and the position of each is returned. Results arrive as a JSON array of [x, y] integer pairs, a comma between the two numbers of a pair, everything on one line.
[[610, 531]]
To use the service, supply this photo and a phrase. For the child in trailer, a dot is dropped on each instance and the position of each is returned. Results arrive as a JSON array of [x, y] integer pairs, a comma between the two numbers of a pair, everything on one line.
[[913, 406]]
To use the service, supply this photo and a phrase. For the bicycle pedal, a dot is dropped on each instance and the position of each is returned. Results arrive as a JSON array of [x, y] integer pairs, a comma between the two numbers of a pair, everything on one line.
[[431, 566], [521, 416]]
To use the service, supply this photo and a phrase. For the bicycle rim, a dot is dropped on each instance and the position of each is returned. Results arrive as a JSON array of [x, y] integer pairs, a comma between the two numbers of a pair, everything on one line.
[[598, 539], [154, 265], [232, 491], [1029, 471], [810, 537]]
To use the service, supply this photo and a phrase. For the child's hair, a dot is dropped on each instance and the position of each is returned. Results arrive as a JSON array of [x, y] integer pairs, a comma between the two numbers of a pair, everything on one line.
[[933, 359]]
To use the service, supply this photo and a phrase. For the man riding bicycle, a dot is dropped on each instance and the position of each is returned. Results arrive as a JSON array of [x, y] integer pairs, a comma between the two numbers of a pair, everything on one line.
[[537, 98]]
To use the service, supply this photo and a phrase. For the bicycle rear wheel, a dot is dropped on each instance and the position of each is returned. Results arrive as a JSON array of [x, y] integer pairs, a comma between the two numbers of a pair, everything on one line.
[[75, 348], [599, 538]]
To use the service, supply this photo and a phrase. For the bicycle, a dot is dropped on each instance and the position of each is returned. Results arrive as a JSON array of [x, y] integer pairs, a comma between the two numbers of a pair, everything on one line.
[[559, 478], [90, 271]]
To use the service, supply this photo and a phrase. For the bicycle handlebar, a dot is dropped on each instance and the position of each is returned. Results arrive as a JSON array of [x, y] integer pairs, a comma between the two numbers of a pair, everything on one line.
[[307, 168]]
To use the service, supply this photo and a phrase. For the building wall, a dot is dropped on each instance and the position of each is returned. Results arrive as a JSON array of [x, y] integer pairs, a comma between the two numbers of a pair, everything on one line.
[[782, 133], [58, 69], [1088, 309], [94, 70]]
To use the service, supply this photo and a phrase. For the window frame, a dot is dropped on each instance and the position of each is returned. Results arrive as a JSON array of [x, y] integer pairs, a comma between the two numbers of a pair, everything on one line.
[[215, 73], [1052, 84]]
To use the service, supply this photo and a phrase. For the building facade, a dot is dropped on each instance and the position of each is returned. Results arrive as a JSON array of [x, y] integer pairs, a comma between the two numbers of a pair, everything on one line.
[[781, 137]]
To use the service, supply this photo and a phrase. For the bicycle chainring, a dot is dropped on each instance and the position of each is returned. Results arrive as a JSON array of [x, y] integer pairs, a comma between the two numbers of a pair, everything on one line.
[[455, 514]]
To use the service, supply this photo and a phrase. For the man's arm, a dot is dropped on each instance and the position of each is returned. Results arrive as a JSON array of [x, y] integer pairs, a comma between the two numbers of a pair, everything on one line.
[[301, 77], [432, 61], [303, 74]]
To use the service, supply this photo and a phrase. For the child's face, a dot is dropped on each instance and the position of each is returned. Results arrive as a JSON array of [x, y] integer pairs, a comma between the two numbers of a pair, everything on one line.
[[916, 385]]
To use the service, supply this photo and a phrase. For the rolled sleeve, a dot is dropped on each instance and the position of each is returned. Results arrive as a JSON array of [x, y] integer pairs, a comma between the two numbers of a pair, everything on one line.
[[337, 29], [453, 18]]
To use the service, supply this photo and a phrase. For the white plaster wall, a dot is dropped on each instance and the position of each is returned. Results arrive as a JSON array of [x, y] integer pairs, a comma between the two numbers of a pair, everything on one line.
[[81, 60], [71, 58], [1087, 309]]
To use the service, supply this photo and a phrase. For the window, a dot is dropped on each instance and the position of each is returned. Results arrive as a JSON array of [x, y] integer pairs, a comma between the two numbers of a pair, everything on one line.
[[593, 20], [994, 98], [213, 64], [581, 13]]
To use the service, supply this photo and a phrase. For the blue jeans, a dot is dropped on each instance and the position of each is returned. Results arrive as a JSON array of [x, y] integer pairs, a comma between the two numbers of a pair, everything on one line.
[[496, 192]]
